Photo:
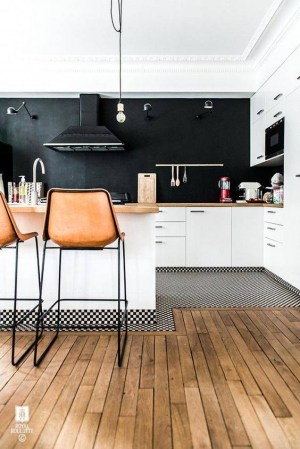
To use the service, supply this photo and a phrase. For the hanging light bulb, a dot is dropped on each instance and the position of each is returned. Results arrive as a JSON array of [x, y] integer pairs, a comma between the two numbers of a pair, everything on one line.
[[121, 117]]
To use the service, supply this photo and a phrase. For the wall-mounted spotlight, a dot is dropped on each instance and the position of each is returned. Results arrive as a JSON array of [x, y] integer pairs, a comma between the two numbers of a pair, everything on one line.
[[13, 111], [147, 109], [208, 106]]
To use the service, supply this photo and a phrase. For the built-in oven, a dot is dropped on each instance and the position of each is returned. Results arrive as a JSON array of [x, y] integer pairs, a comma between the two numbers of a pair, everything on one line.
[[274, 142]]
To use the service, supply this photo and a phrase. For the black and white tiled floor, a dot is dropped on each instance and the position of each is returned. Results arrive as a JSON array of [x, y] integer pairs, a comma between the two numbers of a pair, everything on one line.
[[179, 288], [216, 289]]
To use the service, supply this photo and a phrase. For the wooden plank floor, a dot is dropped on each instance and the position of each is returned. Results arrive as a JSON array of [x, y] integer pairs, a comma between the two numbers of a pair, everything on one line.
[[226, 379]]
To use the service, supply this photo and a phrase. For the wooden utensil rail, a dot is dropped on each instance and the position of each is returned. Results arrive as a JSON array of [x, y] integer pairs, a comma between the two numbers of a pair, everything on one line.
[[189, 165]]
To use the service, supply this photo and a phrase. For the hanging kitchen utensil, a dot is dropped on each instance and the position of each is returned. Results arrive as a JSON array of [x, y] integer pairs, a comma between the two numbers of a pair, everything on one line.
[[184, 179], [172, 179], [177, 177]]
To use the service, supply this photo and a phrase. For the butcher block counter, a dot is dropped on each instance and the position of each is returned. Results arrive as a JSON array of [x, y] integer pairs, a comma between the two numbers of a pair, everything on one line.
[[218, 205], [132, 208]]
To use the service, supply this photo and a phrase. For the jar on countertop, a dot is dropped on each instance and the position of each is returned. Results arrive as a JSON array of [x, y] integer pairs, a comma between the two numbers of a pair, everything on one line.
[[278, 195]]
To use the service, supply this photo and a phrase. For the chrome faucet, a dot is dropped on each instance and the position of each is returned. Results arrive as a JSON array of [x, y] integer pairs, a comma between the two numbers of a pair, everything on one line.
[[34, 194]]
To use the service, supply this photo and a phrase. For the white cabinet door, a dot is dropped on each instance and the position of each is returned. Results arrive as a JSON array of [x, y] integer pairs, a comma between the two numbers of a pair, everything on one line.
[[208, 239], [170, 251], [292, 190], [247, 236], [275, 114], [274, 256], [257, 151], [257, 105], [292, 71], [275, 88]]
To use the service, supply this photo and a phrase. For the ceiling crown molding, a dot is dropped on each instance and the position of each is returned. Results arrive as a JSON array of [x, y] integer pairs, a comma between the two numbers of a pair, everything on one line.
[[270, 46], [100, 59], [261, 28], [131, 63]]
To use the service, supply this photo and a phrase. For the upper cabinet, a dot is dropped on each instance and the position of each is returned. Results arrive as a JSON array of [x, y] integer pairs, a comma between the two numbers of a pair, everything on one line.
[[292, 71], [268, 106], [275, 89], [257, 142], [258, 106]]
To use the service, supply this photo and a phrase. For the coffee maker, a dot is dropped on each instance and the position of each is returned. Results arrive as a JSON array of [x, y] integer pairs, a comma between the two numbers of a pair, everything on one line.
[[224, 186], [249, 191]]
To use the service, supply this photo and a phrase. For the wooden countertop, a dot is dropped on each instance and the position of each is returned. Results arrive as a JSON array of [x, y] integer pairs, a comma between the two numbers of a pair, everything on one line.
[[218, 205], [141, 208], [132, 208]]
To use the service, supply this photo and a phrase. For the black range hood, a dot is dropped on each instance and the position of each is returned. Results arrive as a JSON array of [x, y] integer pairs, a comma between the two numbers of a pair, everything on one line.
[[88, 136]]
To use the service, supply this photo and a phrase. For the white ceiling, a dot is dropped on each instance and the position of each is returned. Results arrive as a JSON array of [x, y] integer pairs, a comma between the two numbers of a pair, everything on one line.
[[150, 27], [170, 47]]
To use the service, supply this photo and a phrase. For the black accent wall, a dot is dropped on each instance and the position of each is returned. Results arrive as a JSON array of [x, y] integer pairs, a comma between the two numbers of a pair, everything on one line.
[[173, 135]]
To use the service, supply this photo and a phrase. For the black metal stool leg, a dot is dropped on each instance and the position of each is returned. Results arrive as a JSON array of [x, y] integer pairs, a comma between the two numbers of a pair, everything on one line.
[[38, 360], [125, 293], [15, 306], [58, 293], [15, 322], [119, 308], [121, 349]]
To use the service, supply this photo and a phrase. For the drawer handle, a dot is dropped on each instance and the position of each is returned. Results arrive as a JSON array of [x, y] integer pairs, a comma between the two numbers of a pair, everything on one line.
[[297, 176], [197, 211], [272, 246], [271, 229], [260, 111], [159, 227], [278, 96], [278, 113], [298, 77], [259, 157], [271, 212], [159, 241], [160, 211]]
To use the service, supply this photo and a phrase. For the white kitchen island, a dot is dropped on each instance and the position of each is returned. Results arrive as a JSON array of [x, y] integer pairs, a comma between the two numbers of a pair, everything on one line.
[[86, 274]]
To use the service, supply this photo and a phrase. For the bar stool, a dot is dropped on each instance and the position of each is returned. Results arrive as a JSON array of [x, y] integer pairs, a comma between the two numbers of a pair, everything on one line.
[[11, 235], [81, 220]]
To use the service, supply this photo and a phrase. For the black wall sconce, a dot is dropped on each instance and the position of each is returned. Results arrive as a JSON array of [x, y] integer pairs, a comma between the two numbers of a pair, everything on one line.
[[208, 106], [147, 109], [13, 111]]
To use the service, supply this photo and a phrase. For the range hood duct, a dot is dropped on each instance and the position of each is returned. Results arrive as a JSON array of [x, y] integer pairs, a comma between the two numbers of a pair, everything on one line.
[[88, 136]]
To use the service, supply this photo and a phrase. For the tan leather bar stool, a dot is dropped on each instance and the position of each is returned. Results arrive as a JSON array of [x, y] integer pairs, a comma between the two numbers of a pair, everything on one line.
[[10, 235], [81, 220]]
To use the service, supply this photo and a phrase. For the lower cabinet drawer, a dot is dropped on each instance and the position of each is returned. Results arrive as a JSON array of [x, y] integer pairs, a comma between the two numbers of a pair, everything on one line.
[[170, 228], [274, 215], [170, 251], [274, 232], [273, 256], [171, 214]]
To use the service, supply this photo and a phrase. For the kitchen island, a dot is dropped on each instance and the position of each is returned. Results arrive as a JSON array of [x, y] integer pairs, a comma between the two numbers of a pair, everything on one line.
[[88, 274]]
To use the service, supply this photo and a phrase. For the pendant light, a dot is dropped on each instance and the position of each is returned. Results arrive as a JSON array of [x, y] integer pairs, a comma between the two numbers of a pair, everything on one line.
[[121, 117]]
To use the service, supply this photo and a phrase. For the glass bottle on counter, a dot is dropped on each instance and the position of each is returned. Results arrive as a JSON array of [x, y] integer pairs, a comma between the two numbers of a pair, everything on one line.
[[22, 190], [1, 183]]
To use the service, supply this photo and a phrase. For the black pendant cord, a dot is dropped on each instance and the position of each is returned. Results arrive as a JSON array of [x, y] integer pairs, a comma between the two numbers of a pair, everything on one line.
[[118, 29]]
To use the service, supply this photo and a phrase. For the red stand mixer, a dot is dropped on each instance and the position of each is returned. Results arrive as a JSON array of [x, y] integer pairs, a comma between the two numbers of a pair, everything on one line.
[[224, 186]]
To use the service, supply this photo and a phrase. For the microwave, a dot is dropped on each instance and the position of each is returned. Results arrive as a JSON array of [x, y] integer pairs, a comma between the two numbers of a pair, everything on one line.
[[274, 139]]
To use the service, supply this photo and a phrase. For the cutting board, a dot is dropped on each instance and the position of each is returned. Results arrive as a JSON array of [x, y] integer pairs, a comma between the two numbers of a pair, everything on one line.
[[147, 187]]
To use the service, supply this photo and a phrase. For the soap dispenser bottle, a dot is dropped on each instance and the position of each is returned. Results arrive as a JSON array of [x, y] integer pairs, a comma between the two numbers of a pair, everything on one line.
[[22, 190]]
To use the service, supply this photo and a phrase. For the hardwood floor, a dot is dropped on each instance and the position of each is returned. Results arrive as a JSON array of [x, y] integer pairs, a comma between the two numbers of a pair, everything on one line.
[[225, 379]]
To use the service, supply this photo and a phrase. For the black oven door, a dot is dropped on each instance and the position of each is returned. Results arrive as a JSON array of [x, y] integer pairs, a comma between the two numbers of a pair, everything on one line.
[[275, 139]]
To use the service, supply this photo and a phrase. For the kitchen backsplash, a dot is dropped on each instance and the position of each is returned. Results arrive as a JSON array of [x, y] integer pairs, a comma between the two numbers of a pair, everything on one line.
[[173, 135]]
